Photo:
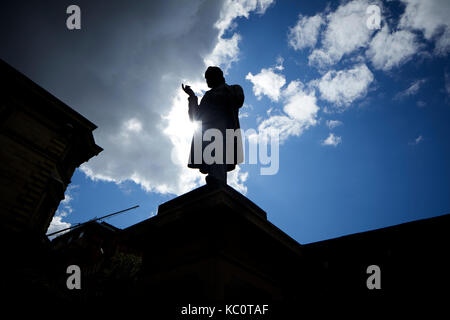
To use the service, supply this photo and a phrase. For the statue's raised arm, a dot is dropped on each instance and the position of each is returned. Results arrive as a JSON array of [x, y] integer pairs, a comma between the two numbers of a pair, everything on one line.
[[188, 90]]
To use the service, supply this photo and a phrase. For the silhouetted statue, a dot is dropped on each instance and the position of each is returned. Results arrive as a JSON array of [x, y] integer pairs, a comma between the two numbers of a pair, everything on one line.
[[219, 110]]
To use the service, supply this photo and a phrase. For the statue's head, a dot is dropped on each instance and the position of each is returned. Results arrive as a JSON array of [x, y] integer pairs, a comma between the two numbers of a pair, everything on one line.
[[214, 77]]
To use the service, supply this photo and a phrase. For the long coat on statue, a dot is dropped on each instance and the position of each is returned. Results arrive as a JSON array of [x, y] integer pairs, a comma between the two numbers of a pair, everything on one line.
[[219, 109]]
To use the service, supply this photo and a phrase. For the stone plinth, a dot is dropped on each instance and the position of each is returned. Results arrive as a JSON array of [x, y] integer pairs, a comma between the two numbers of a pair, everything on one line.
[[214, 244]]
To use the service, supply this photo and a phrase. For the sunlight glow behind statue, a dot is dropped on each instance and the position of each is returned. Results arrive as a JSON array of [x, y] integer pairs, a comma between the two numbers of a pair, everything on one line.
[[216, 147]]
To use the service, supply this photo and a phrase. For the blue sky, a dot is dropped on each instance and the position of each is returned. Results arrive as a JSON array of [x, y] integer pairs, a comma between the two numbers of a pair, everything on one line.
[[363, 112]]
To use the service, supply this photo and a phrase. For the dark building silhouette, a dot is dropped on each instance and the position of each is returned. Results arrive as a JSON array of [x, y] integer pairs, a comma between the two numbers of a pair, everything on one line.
[[42, 142], [412, 257], [107, 266], [213, 245], [88, 246]]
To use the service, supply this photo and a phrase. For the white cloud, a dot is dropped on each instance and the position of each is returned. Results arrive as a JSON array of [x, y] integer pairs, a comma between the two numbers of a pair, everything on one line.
[[332, 140], [419, 139], [236, 179], [133, 125], [67, 199], [63, 211], [225, 52], [344, 86], [432, 18], [129, 83], [319, 58], [279, 65], [389, 50], [299, 113], [126, 82], [416, 141], [414, 88], [268, 83], [305, 33], [442, 46], [300, 105], [56, 225], [331, 124], [233, 9], [346, 32], [283, 125], [411, 90]]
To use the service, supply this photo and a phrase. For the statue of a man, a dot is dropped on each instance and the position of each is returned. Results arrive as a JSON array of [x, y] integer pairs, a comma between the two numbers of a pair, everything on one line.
[[218, 109]]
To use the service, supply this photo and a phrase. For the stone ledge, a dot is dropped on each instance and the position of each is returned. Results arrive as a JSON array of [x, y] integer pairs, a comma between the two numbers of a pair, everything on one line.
[[208, 196]]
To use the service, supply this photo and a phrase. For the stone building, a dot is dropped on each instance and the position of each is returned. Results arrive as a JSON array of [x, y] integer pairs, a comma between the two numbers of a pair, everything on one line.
[[42, 142]]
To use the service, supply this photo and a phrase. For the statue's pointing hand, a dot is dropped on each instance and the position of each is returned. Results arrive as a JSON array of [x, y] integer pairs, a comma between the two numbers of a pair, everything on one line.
[[188, 90]]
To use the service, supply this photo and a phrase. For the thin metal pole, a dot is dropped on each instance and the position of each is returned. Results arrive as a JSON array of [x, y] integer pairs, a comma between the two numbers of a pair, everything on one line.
[[81, 224]]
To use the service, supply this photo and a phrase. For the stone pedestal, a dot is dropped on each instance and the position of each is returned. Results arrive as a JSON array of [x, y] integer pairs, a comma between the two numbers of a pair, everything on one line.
[[214, 244]]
